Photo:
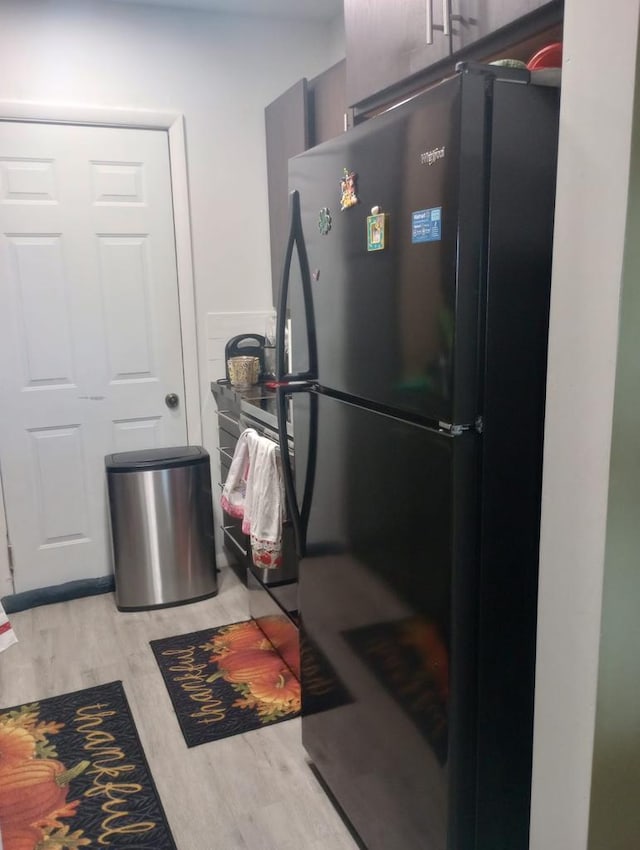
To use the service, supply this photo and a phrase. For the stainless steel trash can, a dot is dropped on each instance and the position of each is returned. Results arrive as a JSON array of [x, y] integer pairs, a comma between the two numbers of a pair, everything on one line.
[[161, 527]]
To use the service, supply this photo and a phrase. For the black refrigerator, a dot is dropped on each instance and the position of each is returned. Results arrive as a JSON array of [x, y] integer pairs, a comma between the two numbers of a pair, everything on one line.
[[416, 278]]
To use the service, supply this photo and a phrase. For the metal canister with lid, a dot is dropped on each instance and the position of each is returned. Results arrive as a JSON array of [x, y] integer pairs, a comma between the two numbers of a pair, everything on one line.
[[236, 352], [243, 371]]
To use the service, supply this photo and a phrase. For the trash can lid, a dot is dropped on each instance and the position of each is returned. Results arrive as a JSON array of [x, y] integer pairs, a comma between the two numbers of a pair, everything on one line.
[[155, 458]]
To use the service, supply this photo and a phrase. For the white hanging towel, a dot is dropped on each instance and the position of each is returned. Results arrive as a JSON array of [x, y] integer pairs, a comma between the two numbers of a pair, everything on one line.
[[235, 487], [254, 491], [264, 505], [7, 635]]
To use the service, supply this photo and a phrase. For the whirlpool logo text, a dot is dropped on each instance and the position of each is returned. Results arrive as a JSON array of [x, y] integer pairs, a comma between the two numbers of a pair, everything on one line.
[[429, 157]]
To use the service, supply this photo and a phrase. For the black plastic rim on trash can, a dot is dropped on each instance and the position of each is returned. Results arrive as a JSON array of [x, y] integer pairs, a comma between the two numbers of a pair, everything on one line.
[[155, 458]]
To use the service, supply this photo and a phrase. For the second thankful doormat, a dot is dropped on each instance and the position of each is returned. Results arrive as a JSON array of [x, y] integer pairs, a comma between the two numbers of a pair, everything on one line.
[[73, 774], [227, 680]]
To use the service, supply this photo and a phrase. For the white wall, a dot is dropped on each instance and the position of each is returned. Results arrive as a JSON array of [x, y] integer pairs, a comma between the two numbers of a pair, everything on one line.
[[220, 71], [337, 39], [593, 174], [615, 814]]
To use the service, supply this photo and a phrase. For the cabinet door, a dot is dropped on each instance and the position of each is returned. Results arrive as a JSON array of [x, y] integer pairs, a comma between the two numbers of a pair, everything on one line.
[[388, 42], [475, 19], [327, 104], [287, 135]]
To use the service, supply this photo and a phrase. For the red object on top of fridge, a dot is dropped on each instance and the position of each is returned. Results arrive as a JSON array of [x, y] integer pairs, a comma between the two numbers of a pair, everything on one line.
[[549, 56]]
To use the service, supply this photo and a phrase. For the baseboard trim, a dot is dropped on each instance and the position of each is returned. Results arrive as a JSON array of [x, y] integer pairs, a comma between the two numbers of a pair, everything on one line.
[[57, 593]]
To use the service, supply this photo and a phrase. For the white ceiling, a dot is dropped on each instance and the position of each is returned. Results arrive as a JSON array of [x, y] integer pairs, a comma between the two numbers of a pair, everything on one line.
[[310, 9]]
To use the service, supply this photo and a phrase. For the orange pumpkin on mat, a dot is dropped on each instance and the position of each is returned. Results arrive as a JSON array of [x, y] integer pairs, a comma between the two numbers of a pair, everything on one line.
[[16, 745], [281, 690], [32, 790], [238, 637], [21, 838], [244, 667]]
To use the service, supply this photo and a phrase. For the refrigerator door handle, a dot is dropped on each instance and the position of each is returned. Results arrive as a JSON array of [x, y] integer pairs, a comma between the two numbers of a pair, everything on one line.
[[296, 239], [299, 514]]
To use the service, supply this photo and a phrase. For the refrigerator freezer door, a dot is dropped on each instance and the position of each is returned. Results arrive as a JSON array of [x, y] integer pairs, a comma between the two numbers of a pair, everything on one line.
[[398, 327], [386, 599]]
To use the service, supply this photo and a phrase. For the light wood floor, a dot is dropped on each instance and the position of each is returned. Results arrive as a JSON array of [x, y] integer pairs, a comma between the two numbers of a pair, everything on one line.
[[249, 792]]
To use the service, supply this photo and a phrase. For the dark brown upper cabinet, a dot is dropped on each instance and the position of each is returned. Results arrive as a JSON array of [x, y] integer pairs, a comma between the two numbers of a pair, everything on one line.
[[308, 113], [287, 135], [472, 20], [390, 40], [395, 47], [328, 104]]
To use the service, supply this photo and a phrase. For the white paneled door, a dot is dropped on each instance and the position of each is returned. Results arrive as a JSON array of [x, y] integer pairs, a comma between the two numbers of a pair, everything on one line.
[[89, 332]]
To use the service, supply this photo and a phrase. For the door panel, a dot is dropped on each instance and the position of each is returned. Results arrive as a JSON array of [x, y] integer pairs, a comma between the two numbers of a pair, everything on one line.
[[124, 278], [57, 455], [117, 183], [131, 435], [386, 583], [89, 332], [27, 180], [43, 297]]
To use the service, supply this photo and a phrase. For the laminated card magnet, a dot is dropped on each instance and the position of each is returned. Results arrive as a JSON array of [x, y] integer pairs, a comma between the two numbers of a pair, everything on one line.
[[349, 196], [376, 230], [426, 225]]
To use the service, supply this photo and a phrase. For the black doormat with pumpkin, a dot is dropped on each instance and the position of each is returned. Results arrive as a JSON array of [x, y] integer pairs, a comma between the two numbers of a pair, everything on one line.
[[228, 680], [73, 774]]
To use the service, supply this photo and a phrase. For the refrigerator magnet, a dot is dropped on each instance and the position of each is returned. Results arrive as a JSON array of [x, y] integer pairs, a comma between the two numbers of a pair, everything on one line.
[[348, 190], [426, 225], [376, 230], [324, 221]]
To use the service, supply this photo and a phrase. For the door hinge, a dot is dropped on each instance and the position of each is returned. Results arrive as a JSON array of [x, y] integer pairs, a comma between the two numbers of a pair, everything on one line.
[[454, 430], [10, 552]]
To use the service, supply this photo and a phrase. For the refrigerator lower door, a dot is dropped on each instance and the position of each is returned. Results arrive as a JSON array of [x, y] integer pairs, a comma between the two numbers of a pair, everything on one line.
[[387, 591]]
